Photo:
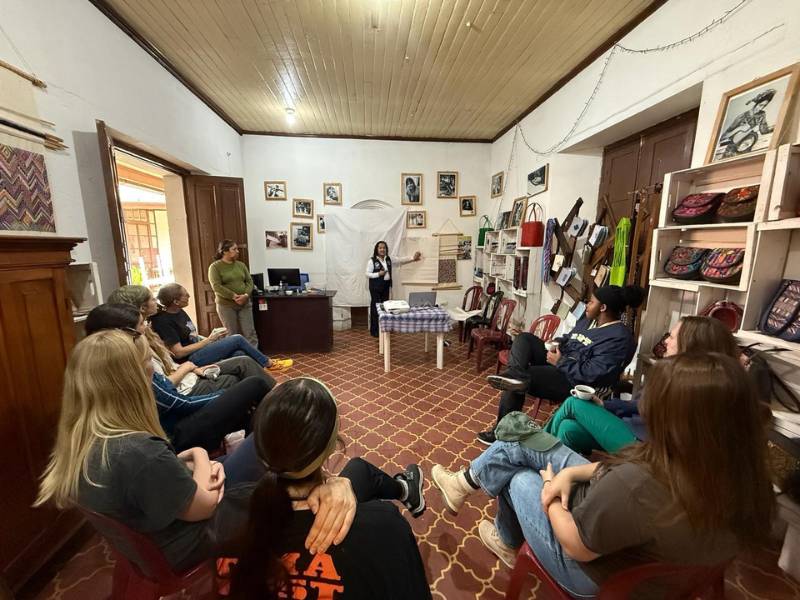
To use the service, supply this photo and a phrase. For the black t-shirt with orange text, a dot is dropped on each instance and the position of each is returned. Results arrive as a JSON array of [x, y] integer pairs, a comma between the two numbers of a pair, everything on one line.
[[379, 558]]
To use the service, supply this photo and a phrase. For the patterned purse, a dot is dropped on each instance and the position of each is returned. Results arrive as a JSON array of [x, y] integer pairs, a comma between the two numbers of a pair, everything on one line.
[[697, 208], [739, 205], [782, 316], [684, 262], [723, 265]]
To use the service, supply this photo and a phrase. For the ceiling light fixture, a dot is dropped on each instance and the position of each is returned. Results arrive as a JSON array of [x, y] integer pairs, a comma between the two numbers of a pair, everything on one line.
[[290, 118]]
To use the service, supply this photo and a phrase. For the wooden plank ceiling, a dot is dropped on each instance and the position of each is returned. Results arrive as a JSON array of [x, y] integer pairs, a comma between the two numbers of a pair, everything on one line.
[[455, 69]]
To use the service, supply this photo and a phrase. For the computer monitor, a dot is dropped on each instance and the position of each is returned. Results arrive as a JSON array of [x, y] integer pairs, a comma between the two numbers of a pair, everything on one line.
[[258, 280], [289, 277], [304, 279], [422, 299]]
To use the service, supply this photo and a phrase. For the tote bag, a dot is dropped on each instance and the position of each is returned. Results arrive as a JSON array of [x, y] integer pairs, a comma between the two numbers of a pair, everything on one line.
[[484, 226], [533, 231]]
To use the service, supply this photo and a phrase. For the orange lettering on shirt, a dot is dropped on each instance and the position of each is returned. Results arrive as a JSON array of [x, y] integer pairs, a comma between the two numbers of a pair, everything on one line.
[[321, 574]]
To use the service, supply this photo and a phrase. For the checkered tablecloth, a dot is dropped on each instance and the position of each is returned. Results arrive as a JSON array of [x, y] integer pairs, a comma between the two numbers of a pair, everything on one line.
[[416, 320]]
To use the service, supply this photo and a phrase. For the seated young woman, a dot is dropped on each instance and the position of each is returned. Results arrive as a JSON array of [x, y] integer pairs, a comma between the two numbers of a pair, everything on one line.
[[594, 353], [112, 457], [585, 426], [295, 433], [204, 352], [210, 409], [658, 500]]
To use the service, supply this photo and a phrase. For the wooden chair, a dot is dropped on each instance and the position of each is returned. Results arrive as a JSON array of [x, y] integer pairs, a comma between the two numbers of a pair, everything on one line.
[[544, 328], [495, 333], [490, 306], [686, 582], [148, 576], [472, 300]]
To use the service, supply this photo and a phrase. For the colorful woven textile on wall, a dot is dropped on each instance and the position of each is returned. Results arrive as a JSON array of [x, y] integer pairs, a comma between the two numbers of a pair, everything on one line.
[[25, 203]]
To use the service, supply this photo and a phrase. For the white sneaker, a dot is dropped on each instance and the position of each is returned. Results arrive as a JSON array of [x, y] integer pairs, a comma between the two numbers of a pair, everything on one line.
[[453, 485], [491, 539]]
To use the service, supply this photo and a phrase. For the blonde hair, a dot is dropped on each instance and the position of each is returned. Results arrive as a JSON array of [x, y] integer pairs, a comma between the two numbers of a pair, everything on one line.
[[106, 395]]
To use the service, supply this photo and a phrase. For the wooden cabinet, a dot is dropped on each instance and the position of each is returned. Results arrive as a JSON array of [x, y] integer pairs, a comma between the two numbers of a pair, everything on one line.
[[36, 335]]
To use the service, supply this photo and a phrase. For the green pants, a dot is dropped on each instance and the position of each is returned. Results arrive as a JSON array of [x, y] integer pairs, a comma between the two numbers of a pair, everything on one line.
[[584, 426]]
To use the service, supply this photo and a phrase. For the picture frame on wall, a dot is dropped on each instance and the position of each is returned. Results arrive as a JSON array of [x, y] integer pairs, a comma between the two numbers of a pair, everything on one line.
[[467, 206], [416, 219], [301, 236], [751, 117], [303, 208], [411, 189], [332, 193], [275, 190], [276, 239], [497, 184], [320, 223], [447, 184], [518, 211], [537, 180]]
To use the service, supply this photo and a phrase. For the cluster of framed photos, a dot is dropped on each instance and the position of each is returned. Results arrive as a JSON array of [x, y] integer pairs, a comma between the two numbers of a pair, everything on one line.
[[300, 236], [411, 194]]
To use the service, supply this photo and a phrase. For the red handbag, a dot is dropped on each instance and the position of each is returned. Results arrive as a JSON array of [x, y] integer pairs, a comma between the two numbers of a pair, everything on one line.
[[533, 231], [729, 313]]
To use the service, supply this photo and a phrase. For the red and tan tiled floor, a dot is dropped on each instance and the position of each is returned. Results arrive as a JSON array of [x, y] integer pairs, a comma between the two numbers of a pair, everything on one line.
[[416, 414]]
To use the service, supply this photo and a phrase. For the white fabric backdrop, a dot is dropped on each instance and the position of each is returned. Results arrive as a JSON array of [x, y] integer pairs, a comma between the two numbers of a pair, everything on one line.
[[351, 236]]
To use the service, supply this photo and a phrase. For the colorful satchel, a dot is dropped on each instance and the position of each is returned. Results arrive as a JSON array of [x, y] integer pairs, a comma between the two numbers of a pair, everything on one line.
[[782, 316], [684, 262], [697, 208], [723, 265], [739, 205]]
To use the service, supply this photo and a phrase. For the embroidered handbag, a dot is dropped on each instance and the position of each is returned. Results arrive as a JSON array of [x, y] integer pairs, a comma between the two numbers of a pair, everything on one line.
[[484, 226], [533, 231], [697, 208], [782, 315], [723, 265], [684, 262], [739, 205]]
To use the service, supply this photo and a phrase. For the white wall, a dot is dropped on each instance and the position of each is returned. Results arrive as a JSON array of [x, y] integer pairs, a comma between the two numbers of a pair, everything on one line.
[[367, 169], [94, 71], [634, 84]]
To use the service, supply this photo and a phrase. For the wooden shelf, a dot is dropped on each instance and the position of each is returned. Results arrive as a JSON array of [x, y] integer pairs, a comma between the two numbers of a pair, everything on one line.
[[782, 224], [521, 293], [706, 226], [479, 247], [509, 229], [692, 285], [527, 248], [768, 340]]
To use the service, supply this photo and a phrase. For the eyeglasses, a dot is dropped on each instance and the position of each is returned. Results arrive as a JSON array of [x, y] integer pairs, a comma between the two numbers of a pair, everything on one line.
[[132, 332]]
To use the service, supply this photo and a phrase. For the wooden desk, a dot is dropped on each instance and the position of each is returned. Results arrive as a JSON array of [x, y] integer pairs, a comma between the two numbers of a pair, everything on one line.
[[296, 323]]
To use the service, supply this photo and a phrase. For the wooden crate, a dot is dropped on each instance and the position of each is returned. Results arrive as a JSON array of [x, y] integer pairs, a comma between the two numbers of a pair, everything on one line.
[[753, 169], [784, 200]]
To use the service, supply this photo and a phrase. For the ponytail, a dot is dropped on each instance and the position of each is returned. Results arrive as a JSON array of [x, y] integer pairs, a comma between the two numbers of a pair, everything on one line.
[[223, 247]]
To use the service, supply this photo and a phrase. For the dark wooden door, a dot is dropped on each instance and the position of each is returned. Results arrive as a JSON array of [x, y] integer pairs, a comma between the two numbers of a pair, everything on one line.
[[215, 211], [643, 159]]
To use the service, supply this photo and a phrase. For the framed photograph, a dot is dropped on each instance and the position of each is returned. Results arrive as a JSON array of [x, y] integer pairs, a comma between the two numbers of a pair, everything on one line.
[[464, 247], [416, 219], [302, 236], [518, 211], [750, 118], [411, 189], [447, 184], [277, 239], [467, 206], [275, 190], [537, 180], [332, 193], [504, 220], [497, 184], [303, 208], [320, 223]]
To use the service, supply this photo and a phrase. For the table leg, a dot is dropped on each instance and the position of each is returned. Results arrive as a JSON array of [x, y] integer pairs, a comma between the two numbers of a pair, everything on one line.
[[387, 353], [426, 341], [380, 342], [440, 351]]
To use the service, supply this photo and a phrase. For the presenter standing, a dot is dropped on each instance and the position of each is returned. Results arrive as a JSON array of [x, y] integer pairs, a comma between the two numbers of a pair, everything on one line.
[[379, 276], [230, 279]]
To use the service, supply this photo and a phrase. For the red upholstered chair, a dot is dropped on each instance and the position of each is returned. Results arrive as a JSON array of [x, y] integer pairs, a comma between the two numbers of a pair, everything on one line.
[[544, 328], [150, 576], [686, 582], [494, 334], [472, 300]]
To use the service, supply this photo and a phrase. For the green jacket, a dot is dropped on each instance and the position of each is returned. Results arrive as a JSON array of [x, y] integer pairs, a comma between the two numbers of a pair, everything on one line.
[[227, 279]]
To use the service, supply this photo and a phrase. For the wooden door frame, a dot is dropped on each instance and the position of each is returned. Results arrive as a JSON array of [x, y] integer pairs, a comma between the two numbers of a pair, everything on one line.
[[110, 140]]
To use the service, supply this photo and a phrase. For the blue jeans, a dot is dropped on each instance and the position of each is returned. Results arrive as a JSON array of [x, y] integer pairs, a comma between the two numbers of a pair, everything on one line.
[[227, 347], [509, 472]]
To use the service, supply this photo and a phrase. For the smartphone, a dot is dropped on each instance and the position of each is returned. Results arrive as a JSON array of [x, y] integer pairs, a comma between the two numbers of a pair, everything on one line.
[[217, 330]]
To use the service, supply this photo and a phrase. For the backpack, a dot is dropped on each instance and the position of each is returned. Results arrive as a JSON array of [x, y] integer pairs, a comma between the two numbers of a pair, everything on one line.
[[697, 208], [723, 265], [781, 318], [739, 205], [684, 262]]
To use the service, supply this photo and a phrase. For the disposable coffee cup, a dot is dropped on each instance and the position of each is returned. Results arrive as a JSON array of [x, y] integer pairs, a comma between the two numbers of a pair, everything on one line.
[[584, 392], [211, 372]]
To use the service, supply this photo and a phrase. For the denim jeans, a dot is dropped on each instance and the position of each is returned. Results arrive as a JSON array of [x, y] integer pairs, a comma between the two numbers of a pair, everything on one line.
[[227, 347], [509, 472]]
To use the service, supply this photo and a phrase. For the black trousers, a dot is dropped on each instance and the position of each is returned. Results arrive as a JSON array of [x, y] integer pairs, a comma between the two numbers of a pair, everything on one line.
[[231, 411], [369, 482], [527, 361], [378, 292]]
